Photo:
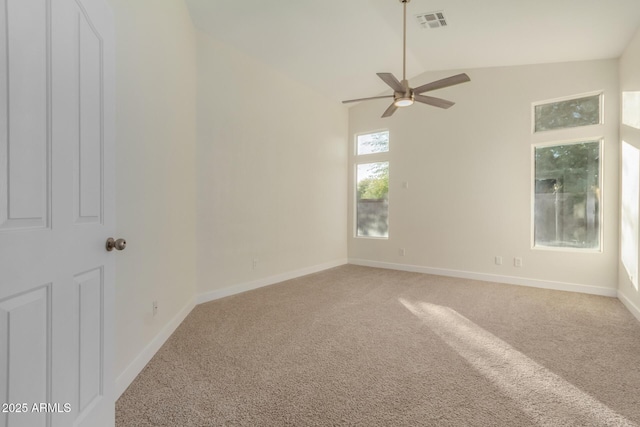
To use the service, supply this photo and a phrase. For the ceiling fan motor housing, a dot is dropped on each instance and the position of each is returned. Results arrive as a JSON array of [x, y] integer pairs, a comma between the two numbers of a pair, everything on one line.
[[405, 98]]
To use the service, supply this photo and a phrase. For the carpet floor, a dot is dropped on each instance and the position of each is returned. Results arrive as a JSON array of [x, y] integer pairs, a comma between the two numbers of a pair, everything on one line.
[[362, 346]]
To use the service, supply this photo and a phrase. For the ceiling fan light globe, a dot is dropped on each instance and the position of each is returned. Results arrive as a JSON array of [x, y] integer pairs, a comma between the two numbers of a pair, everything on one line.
[[403, 102]]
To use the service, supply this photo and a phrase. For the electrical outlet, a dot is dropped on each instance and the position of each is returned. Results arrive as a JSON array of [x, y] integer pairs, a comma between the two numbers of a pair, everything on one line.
[[498, 260], [402, 252], [155, 308], [517, 261], [254, 264]]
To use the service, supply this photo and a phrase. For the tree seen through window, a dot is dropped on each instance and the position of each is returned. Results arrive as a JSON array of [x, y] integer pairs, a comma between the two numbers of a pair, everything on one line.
[[567, 195]]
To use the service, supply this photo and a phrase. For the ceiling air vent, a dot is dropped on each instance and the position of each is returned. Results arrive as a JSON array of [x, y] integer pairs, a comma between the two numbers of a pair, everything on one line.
[[432, 19]]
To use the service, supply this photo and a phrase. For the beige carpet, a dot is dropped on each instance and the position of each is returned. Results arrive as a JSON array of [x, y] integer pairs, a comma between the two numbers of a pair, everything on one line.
[[361, 346]]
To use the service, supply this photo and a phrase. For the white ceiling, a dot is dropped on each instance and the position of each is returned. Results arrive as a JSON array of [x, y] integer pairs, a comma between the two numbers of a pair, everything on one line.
[[337, 46]]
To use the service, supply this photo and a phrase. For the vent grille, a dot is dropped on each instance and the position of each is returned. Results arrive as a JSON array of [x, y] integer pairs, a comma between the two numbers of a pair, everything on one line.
[[432, 19]]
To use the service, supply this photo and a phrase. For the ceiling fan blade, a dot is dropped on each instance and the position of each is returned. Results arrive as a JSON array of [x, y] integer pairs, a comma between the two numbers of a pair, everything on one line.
[[439, 84], [389, 111], [436, 102], [390, 80], [366, 99]]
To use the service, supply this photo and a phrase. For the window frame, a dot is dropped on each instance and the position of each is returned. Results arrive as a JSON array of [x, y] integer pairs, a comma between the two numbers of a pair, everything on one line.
[[362, 159], [601, 141], [535, 104]]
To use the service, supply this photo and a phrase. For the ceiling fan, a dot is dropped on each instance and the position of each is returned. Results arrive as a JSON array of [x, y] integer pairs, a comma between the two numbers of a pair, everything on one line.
[[403, 94]]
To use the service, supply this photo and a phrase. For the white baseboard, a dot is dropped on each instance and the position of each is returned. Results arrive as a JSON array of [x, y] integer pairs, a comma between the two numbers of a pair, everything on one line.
[[266, 281], [511, 280], [634, 309], [137, 365]]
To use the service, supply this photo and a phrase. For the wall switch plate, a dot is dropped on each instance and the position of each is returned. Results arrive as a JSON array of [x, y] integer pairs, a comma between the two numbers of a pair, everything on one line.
[[401, 251], [517, 261], [498, 260]]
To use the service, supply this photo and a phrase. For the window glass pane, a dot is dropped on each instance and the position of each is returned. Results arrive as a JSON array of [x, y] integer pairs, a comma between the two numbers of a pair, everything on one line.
[[631, 109], [373, 143], [567, 114], [567, 195], [372, 197], [630, 215]]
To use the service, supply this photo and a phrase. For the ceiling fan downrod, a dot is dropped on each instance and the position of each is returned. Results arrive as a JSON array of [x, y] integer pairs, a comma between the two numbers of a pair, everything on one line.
[[404, 39], [404, 98]]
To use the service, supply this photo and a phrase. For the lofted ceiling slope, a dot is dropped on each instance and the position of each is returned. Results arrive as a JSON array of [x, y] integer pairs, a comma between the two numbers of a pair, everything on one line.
[[338, 46]]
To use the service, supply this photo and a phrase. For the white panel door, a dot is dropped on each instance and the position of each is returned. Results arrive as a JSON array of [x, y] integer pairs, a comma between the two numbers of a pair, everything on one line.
[[57, 209]]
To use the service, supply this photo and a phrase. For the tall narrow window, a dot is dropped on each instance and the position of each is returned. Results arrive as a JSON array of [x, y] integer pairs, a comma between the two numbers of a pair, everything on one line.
[[630, 202], [372, 185], [373, 199], [631, 109], [567, 195]]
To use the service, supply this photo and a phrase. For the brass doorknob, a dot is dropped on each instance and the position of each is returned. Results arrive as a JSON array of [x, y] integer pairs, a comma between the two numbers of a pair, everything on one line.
[[119, 244]]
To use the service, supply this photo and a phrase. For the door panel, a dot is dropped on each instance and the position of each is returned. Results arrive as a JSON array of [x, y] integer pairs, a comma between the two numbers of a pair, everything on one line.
[[25, 327], [91, 332], [56, 212], [25, 136], [88, 174]]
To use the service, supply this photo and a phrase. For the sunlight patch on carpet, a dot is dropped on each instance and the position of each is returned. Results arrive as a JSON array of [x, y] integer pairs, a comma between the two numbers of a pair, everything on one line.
[[545, 396]]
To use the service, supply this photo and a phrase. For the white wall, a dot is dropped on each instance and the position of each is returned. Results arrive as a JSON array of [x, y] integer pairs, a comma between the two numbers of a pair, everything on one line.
[[630, 81], [272, 162], [156, 139], [469, 171]]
